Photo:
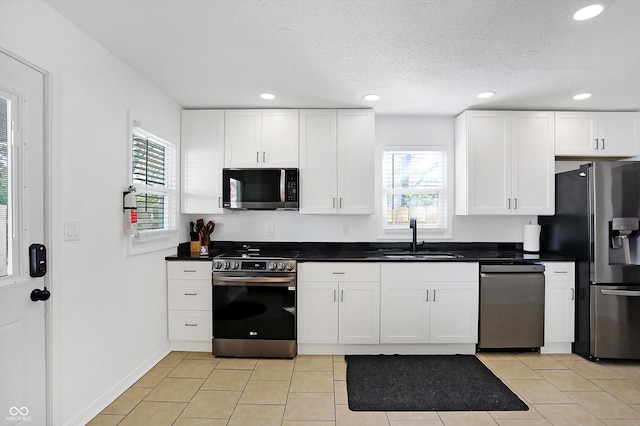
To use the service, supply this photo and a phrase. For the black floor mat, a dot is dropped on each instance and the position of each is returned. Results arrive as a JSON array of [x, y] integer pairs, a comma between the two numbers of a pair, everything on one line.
[[426, 383]]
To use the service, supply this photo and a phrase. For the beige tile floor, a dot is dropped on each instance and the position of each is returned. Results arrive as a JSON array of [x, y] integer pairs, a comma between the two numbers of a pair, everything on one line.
[[193, 388]]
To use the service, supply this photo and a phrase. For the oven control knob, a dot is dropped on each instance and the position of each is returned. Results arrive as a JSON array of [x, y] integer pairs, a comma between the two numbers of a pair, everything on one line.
[[281, 266], [235, 265], [289, 266], [217, 264], [272, 266], [226, 265]]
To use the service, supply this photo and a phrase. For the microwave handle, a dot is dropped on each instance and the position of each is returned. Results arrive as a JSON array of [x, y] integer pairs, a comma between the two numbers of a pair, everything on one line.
[[282, 185]]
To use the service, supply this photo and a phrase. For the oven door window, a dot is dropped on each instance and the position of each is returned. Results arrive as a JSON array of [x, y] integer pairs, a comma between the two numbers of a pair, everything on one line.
[[254, 312]]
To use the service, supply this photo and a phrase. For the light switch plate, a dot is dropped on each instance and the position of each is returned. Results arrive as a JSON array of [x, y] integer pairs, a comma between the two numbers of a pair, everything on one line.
[[71, 230]]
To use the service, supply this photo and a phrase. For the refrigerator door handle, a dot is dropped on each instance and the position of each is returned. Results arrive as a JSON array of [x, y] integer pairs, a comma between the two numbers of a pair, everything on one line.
[[620, 293]]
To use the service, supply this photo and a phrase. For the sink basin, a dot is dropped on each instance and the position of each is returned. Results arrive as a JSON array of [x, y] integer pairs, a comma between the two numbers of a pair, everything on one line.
[[423, 256]]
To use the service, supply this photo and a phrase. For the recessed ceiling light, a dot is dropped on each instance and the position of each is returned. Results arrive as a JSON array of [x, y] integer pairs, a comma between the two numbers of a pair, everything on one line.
[[485, 95], [267, 96], [582, 96], [372, 97], [588, 12]]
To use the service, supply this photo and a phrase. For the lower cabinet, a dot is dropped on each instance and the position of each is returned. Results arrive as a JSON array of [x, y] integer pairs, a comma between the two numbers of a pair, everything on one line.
[[338, 303], [429, 303], [392, 303], [189, 299], [559, 307]]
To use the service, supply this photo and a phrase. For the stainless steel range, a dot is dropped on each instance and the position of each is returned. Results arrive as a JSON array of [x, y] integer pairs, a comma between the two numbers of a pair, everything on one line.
[[254, 305]]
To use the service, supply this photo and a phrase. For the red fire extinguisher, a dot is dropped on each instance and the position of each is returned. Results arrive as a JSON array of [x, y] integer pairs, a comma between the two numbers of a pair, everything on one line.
[[130, 211]]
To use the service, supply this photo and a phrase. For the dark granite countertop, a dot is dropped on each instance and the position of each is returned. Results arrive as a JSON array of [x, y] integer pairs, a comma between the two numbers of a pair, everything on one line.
[[375, 252]]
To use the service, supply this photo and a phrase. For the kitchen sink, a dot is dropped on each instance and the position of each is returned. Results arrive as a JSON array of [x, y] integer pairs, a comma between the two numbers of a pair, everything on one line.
[[423, 256]]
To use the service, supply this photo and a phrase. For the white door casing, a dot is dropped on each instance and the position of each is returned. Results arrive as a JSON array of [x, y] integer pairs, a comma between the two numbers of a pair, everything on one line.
[[22, 321]]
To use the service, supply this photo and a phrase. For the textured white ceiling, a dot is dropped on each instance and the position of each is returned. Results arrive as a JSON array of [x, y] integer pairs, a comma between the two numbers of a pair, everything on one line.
[[422, 56]]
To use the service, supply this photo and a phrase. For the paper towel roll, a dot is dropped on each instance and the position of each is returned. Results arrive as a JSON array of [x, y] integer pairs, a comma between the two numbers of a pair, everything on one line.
[[531, 238]]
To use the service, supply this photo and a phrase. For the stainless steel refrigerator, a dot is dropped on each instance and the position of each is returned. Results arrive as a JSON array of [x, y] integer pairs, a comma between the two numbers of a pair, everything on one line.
[[597, 223]]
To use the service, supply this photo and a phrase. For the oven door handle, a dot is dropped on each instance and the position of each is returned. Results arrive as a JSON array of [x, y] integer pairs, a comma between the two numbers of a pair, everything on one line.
[[243, 281]]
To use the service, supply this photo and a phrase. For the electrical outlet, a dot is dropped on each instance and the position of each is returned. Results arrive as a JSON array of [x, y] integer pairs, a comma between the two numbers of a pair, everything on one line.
[[345, 229]]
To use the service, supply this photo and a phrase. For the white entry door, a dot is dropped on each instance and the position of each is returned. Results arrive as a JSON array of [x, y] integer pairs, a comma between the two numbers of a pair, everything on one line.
[[22, 321]]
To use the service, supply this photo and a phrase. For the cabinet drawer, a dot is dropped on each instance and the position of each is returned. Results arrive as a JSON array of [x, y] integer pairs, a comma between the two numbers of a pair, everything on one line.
[[190, 325], [189, 270], [429, 271], [189, 295], [560, 271], [339, 271]]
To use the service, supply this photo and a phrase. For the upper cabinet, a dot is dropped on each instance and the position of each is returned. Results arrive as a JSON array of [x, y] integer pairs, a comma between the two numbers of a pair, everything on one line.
[[504, 163], [337, 161], [202, 154], [597, 134], [261, 138]]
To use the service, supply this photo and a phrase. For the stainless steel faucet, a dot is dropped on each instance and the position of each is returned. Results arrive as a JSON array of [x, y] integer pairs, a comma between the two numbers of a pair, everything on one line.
[[413, 224]]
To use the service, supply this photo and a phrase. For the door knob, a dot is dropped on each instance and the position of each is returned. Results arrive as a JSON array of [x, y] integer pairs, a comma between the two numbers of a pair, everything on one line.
[[40, 295]]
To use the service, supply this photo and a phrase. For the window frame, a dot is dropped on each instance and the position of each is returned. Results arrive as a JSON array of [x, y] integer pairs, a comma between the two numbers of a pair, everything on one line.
[[156, 239], [424, 232]]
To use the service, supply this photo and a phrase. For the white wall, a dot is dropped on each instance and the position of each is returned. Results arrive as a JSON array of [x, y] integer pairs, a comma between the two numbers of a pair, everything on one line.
[[108, 309], [291, 226]]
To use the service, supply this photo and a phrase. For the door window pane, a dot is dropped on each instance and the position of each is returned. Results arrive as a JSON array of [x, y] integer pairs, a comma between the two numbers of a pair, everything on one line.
[[5, 185]]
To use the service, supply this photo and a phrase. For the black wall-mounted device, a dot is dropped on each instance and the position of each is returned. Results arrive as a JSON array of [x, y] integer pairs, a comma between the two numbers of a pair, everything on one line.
[[37, 260]]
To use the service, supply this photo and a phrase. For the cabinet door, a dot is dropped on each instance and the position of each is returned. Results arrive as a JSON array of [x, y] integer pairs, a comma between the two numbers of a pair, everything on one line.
[[317, 312], [533, 169], [202, 153], [318, 161], [559, 307], [356, 148], [489, 162], [359, 313], [559, 311], [617, 132], [576, 133], [280, 138], [454, 312], [242, 138], [404, 312]]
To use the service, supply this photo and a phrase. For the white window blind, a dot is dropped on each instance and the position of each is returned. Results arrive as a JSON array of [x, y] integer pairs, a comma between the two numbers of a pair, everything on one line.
[[154, 177], [415, 185]]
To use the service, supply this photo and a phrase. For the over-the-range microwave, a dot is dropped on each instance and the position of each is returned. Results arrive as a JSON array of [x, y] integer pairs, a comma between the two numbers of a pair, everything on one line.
[[260, 189]]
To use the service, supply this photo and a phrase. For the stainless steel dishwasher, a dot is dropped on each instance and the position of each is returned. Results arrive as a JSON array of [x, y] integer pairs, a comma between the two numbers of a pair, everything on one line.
[[511, 306]]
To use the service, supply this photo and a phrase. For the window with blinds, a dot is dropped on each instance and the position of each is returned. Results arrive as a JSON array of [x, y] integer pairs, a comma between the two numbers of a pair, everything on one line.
[[415, 185], [154, 177]]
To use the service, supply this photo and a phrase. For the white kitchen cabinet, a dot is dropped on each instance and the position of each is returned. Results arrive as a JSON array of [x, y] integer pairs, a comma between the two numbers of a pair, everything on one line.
[[504, 163], [337, 161], [559, 307], [202, 156], [597, 134], [190, 304], [429, 303], [261, 138], [338, 303]]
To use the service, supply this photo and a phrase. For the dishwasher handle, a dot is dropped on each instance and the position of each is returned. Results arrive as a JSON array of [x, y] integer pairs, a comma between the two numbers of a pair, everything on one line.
[[512, 268]]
